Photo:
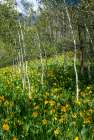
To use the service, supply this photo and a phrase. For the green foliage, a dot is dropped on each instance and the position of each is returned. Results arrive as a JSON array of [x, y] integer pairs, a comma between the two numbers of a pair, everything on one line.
[[51, 112]]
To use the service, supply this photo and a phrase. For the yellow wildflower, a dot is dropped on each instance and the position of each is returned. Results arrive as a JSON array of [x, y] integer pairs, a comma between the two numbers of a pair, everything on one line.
[[76, 138], [36, 107], [67, 106], [2, 99], [62, 119], [14, 138], [44, 121], [35, 114], [52, 103], [90, 110], [57, 132], [78, 102], [74, 115], [63, 108], [87, 120], [6, 103], [5, 127], [46, 102]]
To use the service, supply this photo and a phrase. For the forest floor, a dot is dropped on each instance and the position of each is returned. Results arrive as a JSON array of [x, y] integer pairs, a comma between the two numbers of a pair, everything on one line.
[[50, 111]]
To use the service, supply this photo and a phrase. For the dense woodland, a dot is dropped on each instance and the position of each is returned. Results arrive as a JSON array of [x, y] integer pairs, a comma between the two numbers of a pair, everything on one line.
[[47, 70]]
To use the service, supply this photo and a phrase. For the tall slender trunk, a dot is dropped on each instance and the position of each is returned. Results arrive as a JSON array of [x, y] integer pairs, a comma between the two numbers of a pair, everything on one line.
[[75, 51], [25, 64], [88, 32]]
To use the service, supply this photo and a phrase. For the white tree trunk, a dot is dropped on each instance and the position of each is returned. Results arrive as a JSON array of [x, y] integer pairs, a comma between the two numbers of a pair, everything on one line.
[[75, 55]]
